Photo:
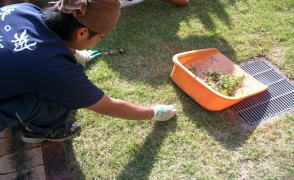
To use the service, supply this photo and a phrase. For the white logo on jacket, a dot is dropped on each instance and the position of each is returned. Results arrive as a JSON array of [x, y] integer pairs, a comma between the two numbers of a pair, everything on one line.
[[22, 42]]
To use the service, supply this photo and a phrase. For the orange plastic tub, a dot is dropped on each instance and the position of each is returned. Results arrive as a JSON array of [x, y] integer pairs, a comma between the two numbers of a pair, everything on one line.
[[199, 90]]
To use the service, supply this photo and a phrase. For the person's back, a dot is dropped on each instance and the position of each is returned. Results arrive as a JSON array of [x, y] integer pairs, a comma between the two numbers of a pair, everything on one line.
[[34, 60], [38, 72], [26, 47], [41, 81]]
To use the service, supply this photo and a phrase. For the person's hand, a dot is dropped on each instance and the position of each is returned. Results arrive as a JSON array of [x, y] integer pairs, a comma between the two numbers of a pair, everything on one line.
[[86, 55], [163, 112]]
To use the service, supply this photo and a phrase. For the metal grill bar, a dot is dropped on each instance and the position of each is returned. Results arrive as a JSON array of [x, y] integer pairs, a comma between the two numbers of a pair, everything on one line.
[[277, 89], [255, 67], [277, 99], [264, 78], [267, 109], [266, 101]]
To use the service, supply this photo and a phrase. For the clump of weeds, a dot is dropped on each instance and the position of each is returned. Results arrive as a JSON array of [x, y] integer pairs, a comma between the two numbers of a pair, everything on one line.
[[225, 84]]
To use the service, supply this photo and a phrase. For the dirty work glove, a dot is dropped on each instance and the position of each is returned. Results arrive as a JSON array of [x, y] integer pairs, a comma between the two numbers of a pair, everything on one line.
[[163, 112], [86, 56]]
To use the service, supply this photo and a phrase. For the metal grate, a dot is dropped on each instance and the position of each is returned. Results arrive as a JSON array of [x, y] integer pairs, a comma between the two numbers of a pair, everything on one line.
[[277, 99]]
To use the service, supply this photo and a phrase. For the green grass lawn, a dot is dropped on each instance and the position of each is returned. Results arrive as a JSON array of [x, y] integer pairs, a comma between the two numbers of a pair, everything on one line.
[[197, 144]]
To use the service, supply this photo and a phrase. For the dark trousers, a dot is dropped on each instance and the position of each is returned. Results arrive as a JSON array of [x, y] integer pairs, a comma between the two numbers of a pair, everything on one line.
[[38, 114]]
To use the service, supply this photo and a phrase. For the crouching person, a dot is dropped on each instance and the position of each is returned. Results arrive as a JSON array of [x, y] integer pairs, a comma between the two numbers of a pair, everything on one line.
[[41, 81]]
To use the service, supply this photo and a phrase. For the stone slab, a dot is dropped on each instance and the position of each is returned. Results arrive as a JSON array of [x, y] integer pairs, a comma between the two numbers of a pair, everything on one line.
[[21, 161], [54, 159], [35, 173], [5, 133], [12, 145]]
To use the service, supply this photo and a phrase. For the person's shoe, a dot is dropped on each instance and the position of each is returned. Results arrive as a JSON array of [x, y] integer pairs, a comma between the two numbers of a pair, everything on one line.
[[125, 3], [178, 2], [57, 135]]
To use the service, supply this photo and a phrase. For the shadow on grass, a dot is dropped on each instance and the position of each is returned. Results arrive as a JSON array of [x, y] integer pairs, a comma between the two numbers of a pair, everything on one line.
[[71, 158], [149, 32], [221, 125], [205, 10], [72, 162], [142, 163]]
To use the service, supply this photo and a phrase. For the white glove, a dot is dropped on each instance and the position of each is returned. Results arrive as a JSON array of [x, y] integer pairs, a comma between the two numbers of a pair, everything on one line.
[[85, 56], [163, 112]]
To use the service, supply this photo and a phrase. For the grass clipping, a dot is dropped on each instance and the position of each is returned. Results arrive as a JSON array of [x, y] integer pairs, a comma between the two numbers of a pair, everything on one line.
[[225, 84]]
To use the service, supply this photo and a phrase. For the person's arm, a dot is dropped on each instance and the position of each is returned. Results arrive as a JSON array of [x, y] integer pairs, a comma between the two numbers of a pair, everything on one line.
[[74, 90], [122, 109]]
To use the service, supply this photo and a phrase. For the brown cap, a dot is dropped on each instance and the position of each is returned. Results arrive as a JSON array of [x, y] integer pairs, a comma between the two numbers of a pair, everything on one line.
[[97, 15]]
